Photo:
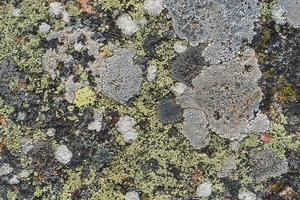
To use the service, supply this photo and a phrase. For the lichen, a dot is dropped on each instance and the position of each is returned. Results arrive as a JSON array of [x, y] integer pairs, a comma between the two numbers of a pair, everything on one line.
[[84, 97]]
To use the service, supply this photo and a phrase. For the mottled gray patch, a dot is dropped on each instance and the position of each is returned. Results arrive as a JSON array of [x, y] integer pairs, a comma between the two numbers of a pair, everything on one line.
[[195, 128], [265, 164], [229, 96], [289, 9], [223, 25], [121, 79]]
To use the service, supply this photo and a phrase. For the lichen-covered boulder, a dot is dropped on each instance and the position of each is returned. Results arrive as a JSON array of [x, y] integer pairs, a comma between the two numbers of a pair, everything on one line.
[[223, 25]]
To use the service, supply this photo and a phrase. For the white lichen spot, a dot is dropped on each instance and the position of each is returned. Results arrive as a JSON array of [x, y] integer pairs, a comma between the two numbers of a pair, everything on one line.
[[179, 88], [44, 28], [246, 195], [151, 73], [126, 24], [96, 124], [63, 154], [153, 7], [5, 169], [204, 190], [179, 48], [125, 127], [133, 195]]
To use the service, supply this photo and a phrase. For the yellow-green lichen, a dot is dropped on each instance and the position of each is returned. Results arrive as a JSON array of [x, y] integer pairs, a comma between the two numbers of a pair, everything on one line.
[[84, 97]]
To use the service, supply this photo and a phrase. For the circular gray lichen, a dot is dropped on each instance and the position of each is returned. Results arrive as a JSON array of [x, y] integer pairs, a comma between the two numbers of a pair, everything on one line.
[[121, 79], [223, 25], [229, 96]]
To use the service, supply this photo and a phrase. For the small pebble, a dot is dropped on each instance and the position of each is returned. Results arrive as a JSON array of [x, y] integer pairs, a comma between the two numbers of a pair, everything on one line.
[[26, 144], [97, 123], [55, 9], [14, 180], [16, 12], [51, 132], [24, 174], [204, 190], [63, 154], [133, 195]]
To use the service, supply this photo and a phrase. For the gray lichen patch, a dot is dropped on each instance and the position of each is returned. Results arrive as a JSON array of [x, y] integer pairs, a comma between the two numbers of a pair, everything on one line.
[[223, 25], [265, 165], [168, 111], [229, 96], [121, 79], [195, 128], [287, 10]]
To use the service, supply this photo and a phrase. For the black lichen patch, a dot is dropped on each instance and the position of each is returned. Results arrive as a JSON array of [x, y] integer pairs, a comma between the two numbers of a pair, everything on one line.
[[169, 112], [188, 65]]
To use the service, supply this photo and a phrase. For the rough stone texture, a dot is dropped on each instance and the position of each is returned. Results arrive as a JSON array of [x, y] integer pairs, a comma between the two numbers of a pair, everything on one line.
[[195, 128], [126, 24], [265, 165], [229, 100], [168, 111], [224, 25], [125, 127], [121, 79], [63, 154], [288, 9]]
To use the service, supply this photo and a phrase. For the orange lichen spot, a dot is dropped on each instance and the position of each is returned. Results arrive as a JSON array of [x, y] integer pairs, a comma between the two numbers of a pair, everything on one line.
[[85, 7], [266, 137]]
